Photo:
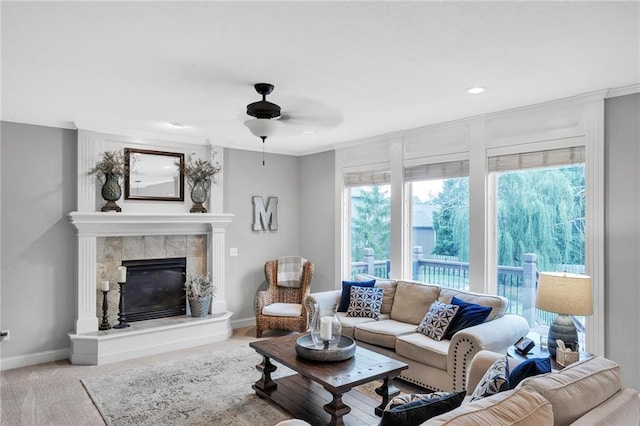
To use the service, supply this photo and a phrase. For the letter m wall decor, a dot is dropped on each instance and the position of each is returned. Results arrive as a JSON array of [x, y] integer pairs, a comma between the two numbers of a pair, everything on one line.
[[265, 219]]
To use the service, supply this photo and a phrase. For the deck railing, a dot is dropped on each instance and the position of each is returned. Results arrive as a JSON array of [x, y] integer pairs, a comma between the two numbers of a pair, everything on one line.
[[517, 283]]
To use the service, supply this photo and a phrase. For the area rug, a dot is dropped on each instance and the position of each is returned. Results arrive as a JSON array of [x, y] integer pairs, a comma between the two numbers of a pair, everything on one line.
[[212, 389]]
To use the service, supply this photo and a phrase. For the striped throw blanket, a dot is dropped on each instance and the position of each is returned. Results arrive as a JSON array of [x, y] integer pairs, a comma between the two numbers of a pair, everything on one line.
[[290, 271]]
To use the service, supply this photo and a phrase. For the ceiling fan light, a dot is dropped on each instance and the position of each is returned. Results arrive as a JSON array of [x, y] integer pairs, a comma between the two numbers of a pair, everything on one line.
[[263, 127]]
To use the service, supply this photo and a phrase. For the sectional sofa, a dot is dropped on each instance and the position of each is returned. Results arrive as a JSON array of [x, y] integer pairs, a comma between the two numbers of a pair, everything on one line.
[[589, 392], [436, 365]]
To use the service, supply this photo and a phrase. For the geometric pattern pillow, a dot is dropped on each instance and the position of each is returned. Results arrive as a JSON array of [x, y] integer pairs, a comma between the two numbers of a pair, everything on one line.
[[495, 380], [421, 408], [365, 302], [437, 320], [411, 397]]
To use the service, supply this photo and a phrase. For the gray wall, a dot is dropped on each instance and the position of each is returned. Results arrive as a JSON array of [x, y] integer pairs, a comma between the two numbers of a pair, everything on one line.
[[38, 243], [317, 212], [622, 234], [244, 178]]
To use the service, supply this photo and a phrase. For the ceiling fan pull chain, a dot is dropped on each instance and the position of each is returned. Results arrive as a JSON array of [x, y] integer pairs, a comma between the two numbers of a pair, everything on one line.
[[263, 138]]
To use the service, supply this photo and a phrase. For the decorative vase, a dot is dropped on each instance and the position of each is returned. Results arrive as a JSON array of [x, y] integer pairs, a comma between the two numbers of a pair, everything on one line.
[[199, 193], [199, 306], [325, 327], [111, 192]]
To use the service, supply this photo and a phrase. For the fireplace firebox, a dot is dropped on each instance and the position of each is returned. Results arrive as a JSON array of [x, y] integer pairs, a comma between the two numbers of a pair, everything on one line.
[[155, 288]]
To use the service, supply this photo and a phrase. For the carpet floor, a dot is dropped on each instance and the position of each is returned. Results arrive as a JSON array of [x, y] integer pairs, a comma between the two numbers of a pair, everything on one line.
[[53, 393], [196, 390]]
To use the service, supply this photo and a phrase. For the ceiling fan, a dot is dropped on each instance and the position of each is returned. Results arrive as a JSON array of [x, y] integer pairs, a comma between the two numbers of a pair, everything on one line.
[[308, 116]]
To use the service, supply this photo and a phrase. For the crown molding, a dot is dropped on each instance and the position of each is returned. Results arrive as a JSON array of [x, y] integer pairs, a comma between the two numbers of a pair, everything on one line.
[[622, 91]]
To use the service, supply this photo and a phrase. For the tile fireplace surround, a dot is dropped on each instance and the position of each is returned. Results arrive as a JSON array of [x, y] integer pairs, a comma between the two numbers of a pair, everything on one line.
[[91, 346]]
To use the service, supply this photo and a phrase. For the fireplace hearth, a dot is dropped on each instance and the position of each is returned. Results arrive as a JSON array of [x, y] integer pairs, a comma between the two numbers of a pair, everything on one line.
[[155, 288]]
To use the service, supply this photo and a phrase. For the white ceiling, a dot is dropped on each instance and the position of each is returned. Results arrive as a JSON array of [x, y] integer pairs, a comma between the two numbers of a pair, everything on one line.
[[345, 70]]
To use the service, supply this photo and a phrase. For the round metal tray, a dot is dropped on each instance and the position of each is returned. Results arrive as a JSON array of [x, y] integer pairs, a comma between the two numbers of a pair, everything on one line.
[[306, 349]]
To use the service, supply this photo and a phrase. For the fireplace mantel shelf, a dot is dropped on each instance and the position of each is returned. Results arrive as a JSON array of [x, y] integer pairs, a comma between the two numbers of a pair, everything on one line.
[[123, 224]]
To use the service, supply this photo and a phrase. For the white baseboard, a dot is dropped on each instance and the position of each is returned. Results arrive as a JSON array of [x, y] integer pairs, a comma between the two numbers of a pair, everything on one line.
[[32, 359], [245, 322]]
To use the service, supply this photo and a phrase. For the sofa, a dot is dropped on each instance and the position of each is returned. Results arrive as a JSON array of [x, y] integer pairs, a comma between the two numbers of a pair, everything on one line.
[[435, 365], [589, 392]]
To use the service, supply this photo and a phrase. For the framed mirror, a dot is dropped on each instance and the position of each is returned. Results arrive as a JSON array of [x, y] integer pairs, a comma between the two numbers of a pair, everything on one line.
[[153, 175]]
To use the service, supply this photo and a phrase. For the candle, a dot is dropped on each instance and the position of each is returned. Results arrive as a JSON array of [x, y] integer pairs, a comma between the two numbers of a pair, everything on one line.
[[325, 328], [122, 274], [105, 285]]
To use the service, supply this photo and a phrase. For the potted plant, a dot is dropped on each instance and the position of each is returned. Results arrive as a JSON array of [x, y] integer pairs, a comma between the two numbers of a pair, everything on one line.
[[110, 170], [199, 174], [200, 289]]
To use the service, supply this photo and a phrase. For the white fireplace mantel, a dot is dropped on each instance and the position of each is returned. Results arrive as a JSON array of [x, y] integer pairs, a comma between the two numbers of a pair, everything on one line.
[[126, 224], [92, 347]]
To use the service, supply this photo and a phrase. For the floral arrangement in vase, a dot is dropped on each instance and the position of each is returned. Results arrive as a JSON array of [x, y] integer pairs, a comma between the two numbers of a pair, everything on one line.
[[110, 170], [200, 289], [199, 174], [199, 286]]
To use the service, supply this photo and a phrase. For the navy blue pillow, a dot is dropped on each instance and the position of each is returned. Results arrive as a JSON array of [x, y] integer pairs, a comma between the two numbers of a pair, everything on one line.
[[417, 412], [346, 292], [468, 315], [528, 368]]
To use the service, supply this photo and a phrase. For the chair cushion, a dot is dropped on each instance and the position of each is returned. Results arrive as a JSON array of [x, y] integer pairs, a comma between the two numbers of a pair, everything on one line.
[[520, 407], [414, 409], [437, 320], [382, 333], [468, 315], [343, 306], [412, 301], [283, 310], [365, 302], [423, 349]]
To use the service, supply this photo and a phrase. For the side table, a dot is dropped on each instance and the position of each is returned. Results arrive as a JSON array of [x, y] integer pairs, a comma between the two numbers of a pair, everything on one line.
[[537, 352]]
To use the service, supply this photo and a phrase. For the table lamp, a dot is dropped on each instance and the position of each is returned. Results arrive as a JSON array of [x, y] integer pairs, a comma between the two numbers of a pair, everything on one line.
[[565, 294]]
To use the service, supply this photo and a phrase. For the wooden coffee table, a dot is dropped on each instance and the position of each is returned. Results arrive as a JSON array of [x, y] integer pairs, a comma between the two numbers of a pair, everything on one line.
[[302, 394]]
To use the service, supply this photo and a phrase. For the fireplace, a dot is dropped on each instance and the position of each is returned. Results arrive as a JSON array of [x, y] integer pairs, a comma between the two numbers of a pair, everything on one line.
[[155, 288]]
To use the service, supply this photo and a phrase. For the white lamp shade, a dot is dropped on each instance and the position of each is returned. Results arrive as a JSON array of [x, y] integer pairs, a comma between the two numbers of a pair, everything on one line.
[[564, 293], [263, 127]]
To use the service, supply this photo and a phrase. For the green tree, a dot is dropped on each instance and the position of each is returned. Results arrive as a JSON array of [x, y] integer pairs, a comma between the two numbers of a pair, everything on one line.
[[451, 219], [371, 222], [536, 211]]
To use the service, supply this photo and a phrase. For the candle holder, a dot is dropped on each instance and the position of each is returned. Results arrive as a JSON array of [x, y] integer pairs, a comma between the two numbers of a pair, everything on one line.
[[122, 314], [105, 307]]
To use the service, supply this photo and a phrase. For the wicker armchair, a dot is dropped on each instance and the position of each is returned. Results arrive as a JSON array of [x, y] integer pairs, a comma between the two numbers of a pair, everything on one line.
[[277, 294]]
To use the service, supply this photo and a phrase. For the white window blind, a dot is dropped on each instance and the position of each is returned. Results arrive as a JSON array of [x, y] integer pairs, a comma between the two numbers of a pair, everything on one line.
[[367, 178], [538, 159], [452, 169]]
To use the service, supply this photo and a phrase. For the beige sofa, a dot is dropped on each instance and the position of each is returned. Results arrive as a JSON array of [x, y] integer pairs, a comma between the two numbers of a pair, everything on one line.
[[437, 365], [589, 392]]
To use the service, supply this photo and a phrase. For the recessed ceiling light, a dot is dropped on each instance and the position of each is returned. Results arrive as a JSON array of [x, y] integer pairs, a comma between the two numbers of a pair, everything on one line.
[[307, 132], [475, 90], [177, 125]]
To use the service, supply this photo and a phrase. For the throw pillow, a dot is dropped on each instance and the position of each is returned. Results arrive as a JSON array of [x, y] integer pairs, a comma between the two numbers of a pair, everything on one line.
[[365, 302], [346, 292], [495, 380], [529, 368], [420, 407], [437, 320], [468, 315]]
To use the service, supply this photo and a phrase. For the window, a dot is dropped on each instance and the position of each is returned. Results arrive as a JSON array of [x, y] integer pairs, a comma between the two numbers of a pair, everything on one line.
[[369, 222], [439, 195], [540, 213]]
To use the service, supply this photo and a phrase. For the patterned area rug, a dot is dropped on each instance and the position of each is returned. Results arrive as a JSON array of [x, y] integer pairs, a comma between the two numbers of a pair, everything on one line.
[[213, 389]]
